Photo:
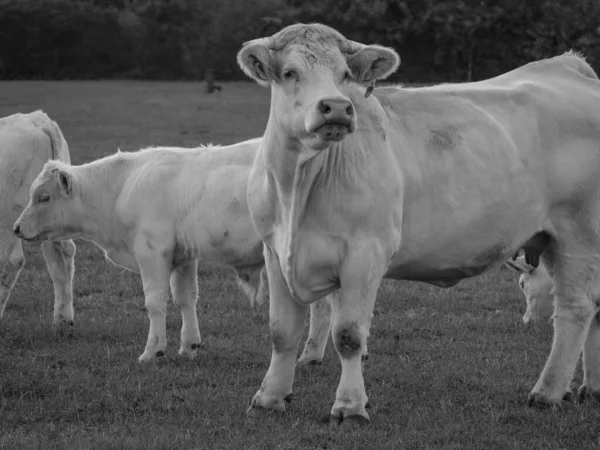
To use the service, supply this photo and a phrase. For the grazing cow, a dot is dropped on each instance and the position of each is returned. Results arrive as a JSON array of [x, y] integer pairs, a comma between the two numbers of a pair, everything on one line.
[[536, 284], [27, 141], [433, 184]]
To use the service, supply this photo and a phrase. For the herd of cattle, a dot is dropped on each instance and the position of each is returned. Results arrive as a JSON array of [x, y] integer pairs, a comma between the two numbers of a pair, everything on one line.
[[347, 185]]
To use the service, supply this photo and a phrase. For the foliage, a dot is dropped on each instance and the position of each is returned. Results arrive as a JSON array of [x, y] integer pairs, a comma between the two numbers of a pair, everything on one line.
[[439, 40]]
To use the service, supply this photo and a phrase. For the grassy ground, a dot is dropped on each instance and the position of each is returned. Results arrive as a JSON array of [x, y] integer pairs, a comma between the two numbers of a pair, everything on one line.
[[448, 369]]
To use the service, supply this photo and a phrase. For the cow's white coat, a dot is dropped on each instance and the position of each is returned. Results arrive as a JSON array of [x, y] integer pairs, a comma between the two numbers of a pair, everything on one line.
[[432, 184], [27, 141], [156, 212]]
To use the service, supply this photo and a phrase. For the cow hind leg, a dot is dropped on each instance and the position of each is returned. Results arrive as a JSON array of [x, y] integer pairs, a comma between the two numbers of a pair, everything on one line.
[[572, 260], [184, 286], [12, 261], [318, 332], [286, 322], [591, 363], [60, 261]]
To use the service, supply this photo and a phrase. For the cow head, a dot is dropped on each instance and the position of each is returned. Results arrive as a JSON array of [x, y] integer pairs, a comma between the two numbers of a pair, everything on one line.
[[536, 284], [52, 204], [309, 68]]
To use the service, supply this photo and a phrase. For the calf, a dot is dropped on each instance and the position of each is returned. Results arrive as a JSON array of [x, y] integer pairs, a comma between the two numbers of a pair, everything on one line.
[[156, 212], [536, 284], [27, 141]]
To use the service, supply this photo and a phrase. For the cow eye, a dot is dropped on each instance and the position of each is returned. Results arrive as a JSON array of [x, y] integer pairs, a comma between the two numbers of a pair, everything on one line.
[[43, 198], [347, 76], [289, 74]]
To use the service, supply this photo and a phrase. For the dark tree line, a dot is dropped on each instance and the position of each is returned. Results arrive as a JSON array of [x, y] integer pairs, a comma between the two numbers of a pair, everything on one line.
[[438, 40]]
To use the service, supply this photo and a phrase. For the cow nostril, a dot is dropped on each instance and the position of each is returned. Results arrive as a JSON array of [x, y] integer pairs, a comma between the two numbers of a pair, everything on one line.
[[324, 108], [16, 229], [349, 110]]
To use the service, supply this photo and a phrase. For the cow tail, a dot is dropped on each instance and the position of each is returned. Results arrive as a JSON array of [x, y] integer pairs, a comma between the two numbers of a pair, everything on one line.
[[60, 148]]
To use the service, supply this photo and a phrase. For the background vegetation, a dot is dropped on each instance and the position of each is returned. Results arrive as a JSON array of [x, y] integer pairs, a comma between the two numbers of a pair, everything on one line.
[[447, 369], [439, 40]]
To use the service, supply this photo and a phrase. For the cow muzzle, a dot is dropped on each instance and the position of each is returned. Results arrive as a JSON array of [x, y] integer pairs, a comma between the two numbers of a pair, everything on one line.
[[332, 119], [17, 230], [21, 233]]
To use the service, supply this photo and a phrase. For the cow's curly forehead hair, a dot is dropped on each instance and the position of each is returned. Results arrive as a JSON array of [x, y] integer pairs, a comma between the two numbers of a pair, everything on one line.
[[315, 41], [310, 35]]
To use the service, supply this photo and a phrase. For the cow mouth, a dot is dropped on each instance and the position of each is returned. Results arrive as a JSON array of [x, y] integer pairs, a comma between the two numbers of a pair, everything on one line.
[[34, 238], [333, 131]]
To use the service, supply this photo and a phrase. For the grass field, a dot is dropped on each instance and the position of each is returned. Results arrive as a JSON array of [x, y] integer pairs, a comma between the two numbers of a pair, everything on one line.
[[448, 369]]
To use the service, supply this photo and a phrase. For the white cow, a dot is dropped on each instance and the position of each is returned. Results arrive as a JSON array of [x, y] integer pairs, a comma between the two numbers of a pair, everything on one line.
[[158, 212], [27, 141], [536, 285], [433, 184]]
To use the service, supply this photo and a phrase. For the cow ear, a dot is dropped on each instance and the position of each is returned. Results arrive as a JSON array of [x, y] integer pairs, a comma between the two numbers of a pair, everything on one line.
[[373, 62], [65, 182], [256, 61]]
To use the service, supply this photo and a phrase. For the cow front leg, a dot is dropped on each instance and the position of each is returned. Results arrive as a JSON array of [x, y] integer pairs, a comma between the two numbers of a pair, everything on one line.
[[286, 322], [573, 314], [155, 272], [60, 261], [12, 261], [352, 313], [318, 332], [184, 286]]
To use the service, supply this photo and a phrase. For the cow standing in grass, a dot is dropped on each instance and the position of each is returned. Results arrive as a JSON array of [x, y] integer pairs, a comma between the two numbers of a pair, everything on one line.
[[156, 212], [436, 184], [27, 141]]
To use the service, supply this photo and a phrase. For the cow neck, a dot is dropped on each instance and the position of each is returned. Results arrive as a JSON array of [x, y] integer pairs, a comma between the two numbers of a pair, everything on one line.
[[99, 185], [297, 173], [285, 166]]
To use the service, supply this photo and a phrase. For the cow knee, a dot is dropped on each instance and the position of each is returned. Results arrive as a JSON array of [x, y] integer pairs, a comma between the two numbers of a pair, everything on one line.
[[68, 248], [348, 340], [282, 340], [156, 304], [578, 312]]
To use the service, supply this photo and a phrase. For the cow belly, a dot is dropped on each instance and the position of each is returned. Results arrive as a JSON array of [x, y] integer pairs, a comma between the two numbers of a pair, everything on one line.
[[452, 264], [309, 267]]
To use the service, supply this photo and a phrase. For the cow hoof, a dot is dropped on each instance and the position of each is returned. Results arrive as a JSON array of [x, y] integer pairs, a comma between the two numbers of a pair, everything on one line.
[[350, 422], [540, 401], [305, 361], [585, 393], [189, 351], [568, 397], [268, 403], [63, 326], [60, 323], [148, 356]]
